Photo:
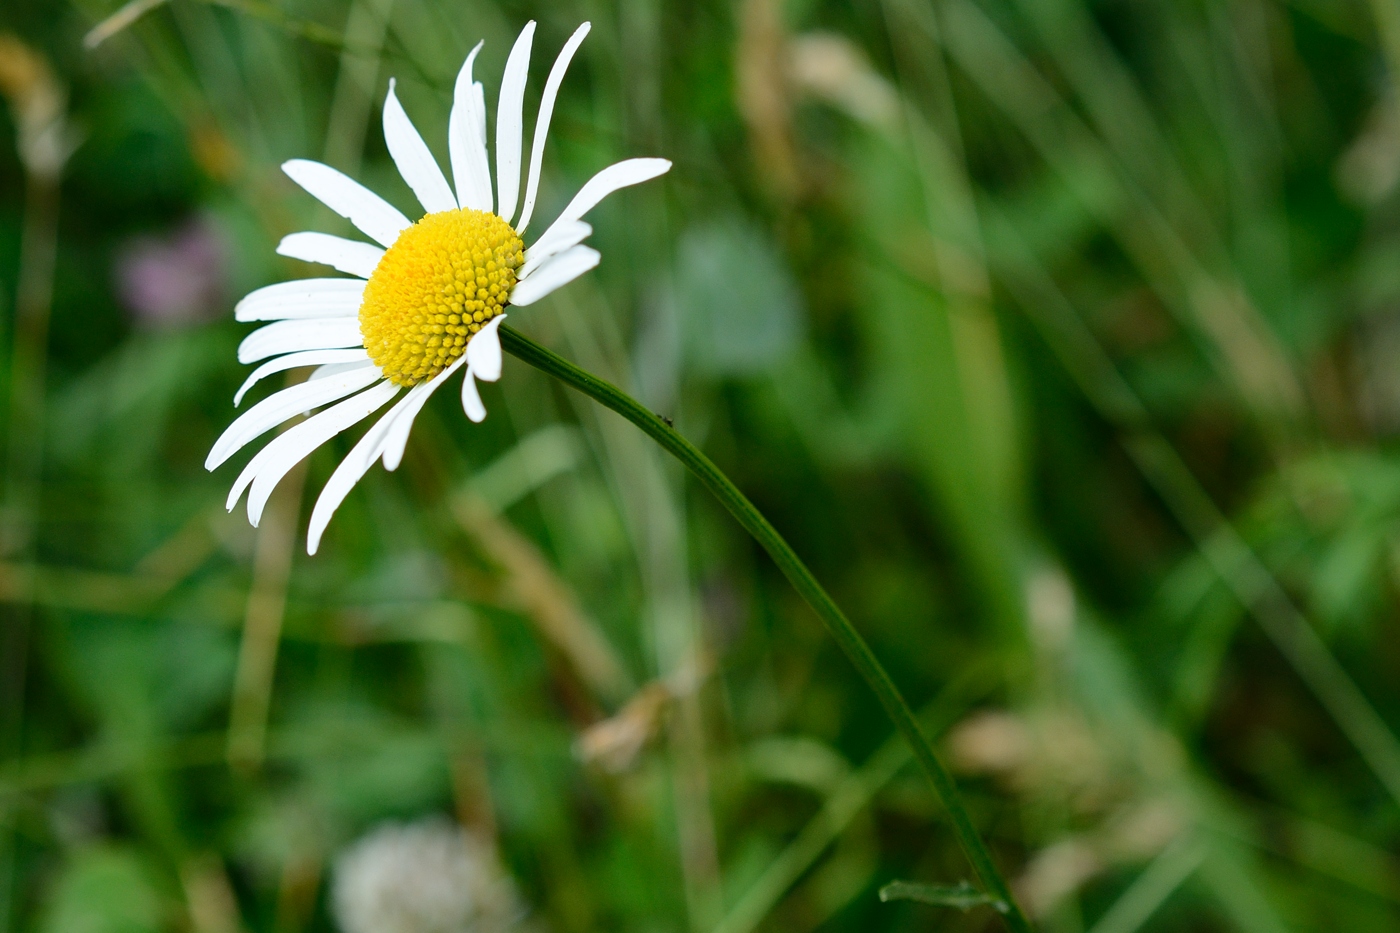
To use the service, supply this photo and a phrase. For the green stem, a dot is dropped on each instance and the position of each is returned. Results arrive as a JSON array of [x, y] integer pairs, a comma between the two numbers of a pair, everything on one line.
[[807, 586]]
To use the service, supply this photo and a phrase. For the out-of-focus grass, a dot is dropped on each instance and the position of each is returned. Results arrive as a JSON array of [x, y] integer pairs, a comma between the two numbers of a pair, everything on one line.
[[1059, 337]]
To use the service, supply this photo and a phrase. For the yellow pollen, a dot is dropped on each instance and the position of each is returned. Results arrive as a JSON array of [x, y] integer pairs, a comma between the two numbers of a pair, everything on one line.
[[440, 282]]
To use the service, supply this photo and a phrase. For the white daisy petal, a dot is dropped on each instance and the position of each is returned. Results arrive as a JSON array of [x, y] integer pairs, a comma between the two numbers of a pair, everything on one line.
[[294, 360], [510, 120], [396, 437], [551, 91], [304, 298], [479, 95], [466, 143], [484, 350], [327, 370], [275, 460], [558, 272], [561, 237], [471, 399], [619, 175], [349, 256], [354, 466], [290, 336], [415, 162], [376, 217], [280, 406], [335, 419]]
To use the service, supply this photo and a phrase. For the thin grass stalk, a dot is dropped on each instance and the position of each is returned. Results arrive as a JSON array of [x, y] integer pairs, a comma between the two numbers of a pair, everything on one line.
[[36, 108], [843, 804], [1212, 308], [650, 495], [269, 13], [1234, 561], [674, 632], [352, 102], [122, 19], [983, 494], [1158, 882], [1387, 17], [28, 363], [264, 615], [807, 586], [547, 601]]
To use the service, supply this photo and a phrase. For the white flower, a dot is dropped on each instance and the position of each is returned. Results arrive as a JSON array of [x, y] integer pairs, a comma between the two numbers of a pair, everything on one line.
[[423, 306], [425, 877]]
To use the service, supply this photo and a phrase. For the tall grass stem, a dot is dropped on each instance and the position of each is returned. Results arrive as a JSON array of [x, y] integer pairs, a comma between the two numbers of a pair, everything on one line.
[[19, 510], [1232, 558], [850, 640]]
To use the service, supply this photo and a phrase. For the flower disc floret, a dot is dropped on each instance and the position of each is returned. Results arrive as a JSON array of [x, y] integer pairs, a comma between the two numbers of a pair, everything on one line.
[[443, 278]]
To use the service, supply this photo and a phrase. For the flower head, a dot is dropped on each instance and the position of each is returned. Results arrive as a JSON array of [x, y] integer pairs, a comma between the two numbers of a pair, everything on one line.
[[424, 877], [426, 301]]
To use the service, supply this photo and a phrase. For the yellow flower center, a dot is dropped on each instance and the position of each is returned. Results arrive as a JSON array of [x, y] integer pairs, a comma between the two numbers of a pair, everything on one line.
[[443, 278]]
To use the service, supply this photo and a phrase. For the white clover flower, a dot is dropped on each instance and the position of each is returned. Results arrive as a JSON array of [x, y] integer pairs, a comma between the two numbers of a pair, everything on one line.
[[425, 877], [427, 303]]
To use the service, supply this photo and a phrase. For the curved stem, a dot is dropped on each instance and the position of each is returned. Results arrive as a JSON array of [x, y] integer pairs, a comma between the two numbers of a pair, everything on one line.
[[806, 585]]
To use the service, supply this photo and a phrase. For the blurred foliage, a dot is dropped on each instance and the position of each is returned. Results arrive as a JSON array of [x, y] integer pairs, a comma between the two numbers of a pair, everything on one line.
[[1061, 337]]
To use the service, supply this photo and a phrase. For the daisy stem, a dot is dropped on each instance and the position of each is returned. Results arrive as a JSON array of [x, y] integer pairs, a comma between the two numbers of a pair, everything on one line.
[[850, 640]]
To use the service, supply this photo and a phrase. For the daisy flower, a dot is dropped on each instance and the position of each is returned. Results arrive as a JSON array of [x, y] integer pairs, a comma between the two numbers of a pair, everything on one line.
[[426, 299]]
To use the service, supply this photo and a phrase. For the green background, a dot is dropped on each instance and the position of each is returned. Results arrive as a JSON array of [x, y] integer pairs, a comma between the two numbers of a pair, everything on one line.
[[1062, 339]]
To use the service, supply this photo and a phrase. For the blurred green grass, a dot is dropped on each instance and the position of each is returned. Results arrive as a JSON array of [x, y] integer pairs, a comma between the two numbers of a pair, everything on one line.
[[1059, 337]]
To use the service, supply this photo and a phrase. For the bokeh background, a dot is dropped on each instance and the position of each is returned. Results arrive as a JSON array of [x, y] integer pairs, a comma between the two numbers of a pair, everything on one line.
[[1061, 337]]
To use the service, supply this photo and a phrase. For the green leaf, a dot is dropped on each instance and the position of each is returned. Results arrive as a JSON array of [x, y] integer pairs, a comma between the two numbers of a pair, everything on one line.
[[963, 895]]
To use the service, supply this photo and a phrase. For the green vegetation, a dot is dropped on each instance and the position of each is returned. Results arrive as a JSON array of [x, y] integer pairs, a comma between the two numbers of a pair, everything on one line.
[[1061, 340]]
